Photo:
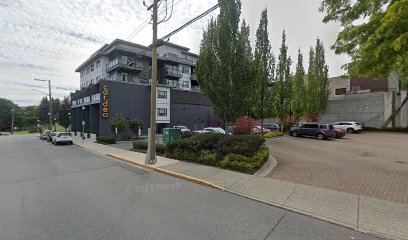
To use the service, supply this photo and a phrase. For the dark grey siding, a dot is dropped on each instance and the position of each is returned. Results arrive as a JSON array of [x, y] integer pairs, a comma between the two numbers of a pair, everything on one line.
[[132, 100], [191, 109]]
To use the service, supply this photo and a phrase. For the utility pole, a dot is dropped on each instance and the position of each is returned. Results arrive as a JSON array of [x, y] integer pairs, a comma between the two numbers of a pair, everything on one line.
[[50, 102], [151, 156], [12, 121]]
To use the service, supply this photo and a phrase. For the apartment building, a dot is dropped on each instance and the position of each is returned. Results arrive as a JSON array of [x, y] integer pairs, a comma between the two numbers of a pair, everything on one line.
[[117, 77]]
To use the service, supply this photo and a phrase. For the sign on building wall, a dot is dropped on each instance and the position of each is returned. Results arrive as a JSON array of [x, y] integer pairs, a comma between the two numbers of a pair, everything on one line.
[[105, 103]]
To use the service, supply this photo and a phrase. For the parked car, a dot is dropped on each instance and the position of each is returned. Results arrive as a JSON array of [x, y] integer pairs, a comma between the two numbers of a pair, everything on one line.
[[50, 136], [257, 129], [214, 130], [319, 130], [62, 137], [340, 132], [4, 133], [182, 128], [44, 135], [349, 126], [200, 131], [271, 126]]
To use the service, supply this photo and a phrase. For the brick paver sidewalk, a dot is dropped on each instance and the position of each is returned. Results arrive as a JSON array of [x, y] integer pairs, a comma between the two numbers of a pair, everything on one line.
[[383, 218]]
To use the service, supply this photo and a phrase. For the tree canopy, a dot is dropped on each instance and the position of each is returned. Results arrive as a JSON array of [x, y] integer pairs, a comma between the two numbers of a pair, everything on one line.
[[375, 35], [223, 68]]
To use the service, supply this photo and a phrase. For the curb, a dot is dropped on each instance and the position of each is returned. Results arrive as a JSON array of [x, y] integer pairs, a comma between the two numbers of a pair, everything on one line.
[[167, 172], [267, 167]]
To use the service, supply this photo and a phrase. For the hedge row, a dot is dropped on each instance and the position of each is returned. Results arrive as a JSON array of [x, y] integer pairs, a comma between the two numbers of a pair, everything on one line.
[[235, 152], [142, 145], [245, 164], [105, 140]]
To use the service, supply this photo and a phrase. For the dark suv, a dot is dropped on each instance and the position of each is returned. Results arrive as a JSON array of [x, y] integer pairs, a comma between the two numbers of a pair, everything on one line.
[[319, 130]]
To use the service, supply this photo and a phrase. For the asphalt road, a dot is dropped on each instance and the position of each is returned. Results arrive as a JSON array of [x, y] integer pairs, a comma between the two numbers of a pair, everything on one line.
[[65, 192]]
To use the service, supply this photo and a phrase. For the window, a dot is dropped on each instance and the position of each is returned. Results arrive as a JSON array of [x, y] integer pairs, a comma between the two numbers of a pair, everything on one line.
[[186, 69], [314, 126], [340, 91], [98, 63], [323, 126], [87, 70], [185, 84], [92, 81], [162, 112], [92, 67], [162, 94], [97, 79]]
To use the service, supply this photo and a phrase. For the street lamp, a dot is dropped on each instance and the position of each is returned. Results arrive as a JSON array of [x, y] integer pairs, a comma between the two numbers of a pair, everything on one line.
[[83, 122], [49, 95], [12, 119], [69, 116]]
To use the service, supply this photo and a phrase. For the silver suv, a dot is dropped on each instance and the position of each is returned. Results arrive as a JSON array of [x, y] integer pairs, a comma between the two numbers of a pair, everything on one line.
[[319, 130]]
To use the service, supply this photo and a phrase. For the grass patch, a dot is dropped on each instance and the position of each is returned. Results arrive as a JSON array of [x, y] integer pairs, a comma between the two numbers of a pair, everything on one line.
[[273, 134]]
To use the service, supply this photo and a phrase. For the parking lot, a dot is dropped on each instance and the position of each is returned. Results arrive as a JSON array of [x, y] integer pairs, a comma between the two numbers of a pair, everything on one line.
[[370, 163]]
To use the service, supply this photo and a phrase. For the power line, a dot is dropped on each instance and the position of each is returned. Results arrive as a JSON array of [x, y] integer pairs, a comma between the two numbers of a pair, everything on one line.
[[147, 21], [161, 40]]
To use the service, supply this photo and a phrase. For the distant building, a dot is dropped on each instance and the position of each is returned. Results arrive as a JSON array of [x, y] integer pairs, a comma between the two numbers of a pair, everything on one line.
[[366, 100], [116, 79]]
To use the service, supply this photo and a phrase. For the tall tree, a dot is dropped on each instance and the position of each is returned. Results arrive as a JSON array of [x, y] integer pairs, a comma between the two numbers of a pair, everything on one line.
[[375, 35], [6, 108], [282, 83], [264, 64], [63, 113], [222, 68], [317, 89], [298, 89]]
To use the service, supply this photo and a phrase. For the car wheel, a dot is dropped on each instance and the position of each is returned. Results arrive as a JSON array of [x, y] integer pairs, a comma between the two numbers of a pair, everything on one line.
[[350, 130], [295, 134], [320, 136]]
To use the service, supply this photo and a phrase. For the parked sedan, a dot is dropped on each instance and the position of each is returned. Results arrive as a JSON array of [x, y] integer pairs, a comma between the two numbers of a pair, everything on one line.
[[4, 133], [214, 130], [319, 130], [349, 126], [62, 137], [182, 128], [340, 132], [271, 126], [45, 134], [50, 136], [257, 129]]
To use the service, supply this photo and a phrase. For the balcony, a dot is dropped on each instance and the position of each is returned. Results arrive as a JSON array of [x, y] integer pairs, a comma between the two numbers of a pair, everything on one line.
[[193, 77], [120, 64], [172, 72]]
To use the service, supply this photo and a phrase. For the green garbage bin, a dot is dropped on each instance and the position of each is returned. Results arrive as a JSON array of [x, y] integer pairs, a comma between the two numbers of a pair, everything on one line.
[[171, 134]]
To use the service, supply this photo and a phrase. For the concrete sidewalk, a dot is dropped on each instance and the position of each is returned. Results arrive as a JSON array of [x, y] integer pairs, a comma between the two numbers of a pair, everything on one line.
[[382, 218]]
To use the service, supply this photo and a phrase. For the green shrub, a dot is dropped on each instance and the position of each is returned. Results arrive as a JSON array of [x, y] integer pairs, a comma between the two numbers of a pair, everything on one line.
[[140, 144], [245, 145], [245, 164], [160, 148], [105, 140], [273, 134], [187, 134], [196, 143], [143, 145]]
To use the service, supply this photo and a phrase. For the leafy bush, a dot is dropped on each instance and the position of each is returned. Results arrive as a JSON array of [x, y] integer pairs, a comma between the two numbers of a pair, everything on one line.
[[105, 140], [245, 164], [244, 125], [245, 145], [273, 134], [204, 141], [143, 145], [139, 144], [187, 134]]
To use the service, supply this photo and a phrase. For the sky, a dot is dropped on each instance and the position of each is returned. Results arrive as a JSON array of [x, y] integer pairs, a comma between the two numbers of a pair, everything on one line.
[[49, 39]]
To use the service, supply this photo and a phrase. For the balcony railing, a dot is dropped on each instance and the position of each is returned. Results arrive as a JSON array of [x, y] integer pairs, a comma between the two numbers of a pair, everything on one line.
[[121, 64], [172, 72], [193, 77]]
